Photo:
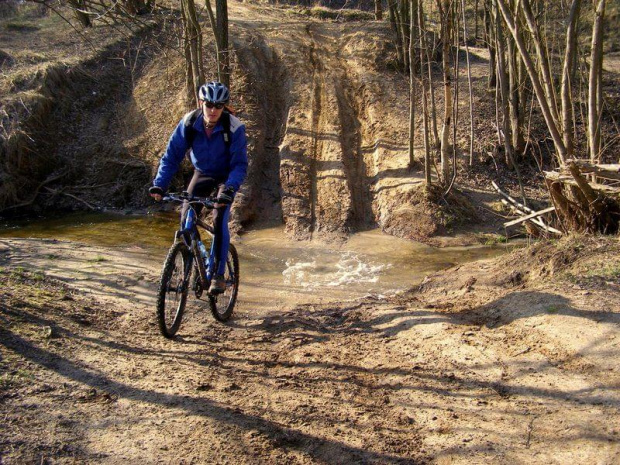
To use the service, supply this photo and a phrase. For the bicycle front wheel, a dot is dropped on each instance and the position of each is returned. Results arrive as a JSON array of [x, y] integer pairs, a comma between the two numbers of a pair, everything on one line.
[[173, 288], [222, 305]]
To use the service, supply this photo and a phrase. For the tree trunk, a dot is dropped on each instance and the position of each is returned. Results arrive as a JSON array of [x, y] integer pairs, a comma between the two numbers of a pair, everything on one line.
[[423, 52], [403, 15], [413, 36], [192, 46], [195, 44], [475, 19], [469, 82], [214, 29], [455, 106], [394, 24], [413, 10], [504, 89], [433, 106], [190, 85], [567, 75], [221, 11], [594, 84], [490, 41], [378, 10], [514, 93], [446, 35]]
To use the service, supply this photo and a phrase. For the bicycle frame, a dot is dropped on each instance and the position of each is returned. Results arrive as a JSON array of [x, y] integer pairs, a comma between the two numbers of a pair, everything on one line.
[[191, 236]]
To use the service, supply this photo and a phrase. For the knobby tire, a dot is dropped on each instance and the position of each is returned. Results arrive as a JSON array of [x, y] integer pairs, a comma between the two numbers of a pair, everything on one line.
[[173, 289], [222, 305]]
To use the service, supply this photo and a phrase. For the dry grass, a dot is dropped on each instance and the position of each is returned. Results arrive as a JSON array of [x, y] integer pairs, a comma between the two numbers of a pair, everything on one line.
[[342, 15]]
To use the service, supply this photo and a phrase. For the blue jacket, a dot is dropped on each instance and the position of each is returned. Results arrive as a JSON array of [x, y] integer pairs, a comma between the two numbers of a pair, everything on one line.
[[209, 156]]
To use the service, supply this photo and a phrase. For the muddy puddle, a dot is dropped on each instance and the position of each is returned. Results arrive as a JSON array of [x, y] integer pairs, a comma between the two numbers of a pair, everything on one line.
[[276, 271]]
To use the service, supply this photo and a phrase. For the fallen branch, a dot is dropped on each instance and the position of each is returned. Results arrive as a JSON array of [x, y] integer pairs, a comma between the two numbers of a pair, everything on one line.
[[125, 162], [537, 221], [529, 217], [524, 210], [36, 192], [56, 192]]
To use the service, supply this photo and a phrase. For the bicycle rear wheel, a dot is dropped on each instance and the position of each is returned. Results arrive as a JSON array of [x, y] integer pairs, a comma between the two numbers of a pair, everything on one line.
[[222, 305], [173, 288]]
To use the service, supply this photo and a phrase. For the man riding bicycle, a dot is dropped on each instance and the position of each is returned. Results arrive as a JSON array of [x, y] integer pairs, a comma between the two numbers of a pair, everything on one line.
[[218, 150]]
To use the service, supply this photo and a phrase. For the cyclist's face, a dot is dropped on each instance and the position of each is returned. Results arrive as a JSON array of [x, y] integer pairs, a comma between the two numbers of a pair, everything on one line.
[[211, 112]]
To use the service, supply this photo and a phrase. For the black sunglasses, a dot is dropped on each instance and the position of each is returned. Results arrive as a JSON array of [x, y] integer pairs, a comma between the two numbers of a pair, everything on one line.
[[219, 106]]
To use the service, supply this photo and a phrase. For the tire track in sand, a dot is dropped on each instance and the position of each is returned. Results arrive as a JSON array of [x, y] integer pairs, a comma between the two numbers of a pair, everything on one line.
[[341, 194]]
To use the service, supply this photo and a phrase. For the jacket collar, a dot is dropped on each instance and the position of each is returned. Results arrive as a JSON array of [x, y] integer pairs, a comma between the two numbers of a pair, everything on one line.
[[199, 124]]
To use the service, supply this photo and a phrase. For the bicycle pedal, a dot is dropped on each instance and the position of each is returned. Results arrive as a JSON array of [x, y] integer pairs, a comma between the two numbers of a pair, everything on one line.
[[198, 290]]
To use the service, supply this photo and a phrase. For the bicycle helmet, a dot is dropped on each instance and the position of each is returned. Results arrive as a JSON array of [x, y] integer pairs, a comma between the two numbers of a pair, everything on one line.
[[214, 92]]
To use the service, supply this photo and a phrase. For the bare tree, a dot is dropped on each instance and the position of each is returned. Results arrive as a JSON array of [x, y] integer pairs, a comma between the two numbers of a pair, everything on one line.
[[471, 93], [424, 56], [404, 30], [567, 77], [595, 98], [446, 17], [395, 25], [214, 29], [476, 14], [192, 41], [515, 95], [504, 88], [413, 11], [221, 11], [490, 43], [542, 91], [544, 65]]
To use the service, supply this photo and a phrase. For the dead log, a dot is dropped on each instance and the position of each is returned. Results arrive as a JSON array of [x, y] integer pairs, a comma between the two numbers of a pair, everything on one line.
[[563, 206], [581, 205], [605, 171], [582, 183], [569, 179]]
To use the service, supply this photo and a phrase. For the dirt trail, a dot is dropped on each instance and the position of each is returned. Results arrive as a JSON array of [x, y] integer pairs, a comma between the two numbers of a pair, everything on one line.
[[340, 136], [479, 365]]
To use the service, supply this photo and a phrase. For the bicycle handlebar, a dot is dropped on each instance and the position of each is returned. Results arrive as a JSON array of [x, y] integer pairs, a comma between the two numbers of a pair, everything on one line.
[[208, 202]]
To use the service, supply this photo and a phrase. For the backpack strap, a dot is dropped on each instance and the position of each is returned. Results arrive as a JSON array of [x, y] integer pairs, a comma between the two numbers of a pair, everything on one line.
[[190, 132], [225, 120]]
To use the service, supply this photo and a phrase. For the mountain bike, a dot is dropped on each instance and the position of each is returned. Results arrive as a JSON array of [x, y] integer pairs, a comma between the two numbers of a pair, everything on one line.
[[189, 266]]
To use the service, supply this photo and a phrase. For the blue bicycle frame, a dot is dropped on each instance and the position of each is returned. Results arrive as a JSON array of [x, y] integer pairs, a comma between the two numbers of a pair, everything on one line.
[[189, 231]]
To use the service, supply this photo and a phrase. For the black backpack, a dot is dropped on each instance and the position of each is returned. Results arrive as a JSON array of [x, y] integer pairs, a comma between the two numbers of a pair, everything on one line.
[[190, 132]]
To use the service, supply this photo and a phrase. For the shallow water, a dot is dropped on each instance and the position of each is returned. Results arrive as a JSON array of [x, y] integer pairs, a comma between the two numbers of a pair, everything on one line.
[[273, 266]]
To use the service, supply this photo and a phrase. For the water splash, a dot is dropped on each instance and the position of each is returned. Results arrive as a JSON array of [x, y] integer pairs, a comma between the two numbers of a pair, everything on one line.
[[350, 268]]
